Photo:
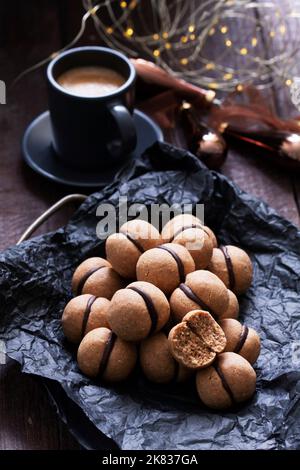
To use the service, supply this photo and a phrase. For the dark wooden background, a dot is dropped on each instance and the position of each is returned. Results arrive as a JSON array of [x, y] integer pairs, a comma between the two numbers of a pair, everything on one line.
[[29, 31]]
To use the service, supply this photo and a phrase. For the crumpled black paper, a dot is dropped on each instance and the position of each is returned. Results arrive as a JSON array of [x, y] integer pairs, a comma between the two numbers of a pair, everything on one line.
[[35, 280]]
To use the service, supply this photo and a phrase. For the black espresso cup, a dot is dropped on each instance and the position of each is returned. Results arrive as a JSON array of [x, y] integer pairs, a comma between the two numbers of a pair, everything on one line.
[[92, 132]]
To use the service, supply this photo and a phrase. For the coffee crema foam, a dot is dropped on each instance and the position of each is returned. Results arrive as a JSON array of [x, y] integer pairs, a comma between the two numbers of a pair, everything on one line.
[[90, 81]]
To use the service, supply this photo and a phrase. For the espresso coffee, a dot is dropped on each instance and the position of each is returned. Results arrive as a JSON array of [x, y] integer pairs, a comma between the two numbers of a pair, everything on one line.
[[91, 104], [90, 81]]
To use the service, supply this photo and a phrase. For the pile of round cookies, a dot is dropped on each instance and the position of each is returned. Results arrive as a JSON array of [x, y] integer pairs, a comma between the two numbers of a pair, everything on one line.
[[169, 298]]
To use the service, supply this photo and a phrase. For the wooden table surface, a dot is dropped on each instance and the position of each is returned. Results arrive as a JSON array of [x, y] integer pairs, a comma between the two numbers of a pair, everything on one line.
[[30, 31]]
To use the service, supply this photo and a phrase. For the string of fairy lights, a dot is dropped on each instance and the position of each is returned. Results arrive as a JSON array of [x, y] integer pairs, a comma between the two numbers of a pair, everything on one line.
[[201, 40]]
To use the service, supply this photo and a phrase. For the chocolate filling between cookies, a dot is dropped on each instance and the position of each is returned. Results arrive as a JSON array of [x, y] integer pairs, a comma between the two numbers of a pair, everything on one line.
[[150, 307], [192, 296], [86, 314], [134, 241], [106, 353], [229, 266], [242, 339], [187, 227], [85, 278], [224, 381], [178, 261]]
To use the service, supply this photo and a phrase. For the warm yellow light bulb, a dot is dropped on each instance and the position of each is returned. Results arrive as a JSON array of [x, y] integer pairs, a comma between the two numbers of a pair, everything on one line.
[[129, 32], [123, 4], [184, 39], [228, 43], [239, 87], [272, 34], [211, 32], [191, 28], [184, 61], [288, 82], [213, 85], [168, 45], [254, 42], [210, 66], [244, 51], [165, 35], [192, 37], [156, 53], [223, 29], [155, 37], [282, 29], [109, 30], [227, 76]]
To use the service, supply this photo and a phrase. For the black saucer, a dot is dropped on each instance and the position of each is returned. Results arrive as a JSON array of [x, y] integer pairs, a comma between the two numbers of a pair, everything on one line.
[[39, 155]]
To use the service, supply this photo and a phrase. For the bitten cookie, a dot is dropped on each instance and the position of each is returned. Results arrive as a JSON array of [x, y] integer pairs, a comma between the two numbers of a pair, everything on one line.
[[201, 289], [233, 266], [83, 314], [241, 339], [157, 362], [228, 381], [165, 266], [124, 249], [195, 341], [138, 311], [183, 222], [233, 308], [96, 276], [101, 354]]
